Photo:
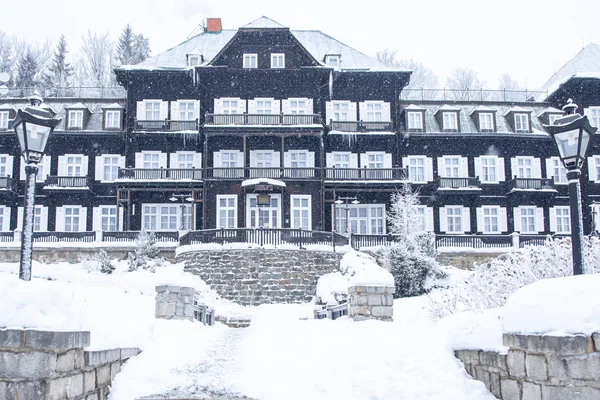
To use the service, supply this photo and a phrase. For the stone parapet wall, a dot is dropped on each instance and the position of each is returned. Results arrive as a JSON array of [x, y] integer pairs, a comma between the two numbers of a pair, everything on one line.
[[53, 366], [261, 276], [49, 254], [371, 302], [539, 367]]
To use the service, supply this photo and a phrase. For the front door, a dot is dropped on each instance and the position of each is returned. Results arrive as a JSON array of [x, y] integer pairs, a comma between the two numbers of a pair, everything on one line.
[[267, 216]]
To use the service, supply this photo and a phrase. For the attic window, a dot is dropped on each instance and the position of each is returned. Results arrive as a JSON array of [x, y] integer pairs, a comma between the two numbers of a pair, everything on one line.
[[277, 60], [75, 119], [250, 60], [333, 60], [553, 117], [414, 121], [3, 120], [486, 122], [521, 122], [112, 119], [450, 121], [194, 59]]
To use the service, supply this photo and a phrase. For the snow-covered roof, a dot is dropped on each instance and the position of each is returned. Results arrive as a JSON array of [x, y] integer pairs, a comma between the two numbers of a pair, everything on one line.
[[415, 107], [316, 43], [447, 107], [113, 106], [549, 110], [7, 107], [263, 181], [516, 109], [480, 108], [586, 64], [77, 106]]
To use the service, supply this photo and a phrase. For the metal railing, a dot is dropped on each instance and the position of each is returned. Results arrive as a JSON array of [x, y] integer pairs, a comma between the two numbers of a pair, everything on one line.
[[457, 183], [64, 237], [148, 174], [359, 241], [474, 241], [533, 183], [521, 95], [7, 236], [165, 125], [59, 182], [263, 236], [131, 236], [262, 119], [361, 126], [257, 172], [6, 182], [366, 173], [102, 92]]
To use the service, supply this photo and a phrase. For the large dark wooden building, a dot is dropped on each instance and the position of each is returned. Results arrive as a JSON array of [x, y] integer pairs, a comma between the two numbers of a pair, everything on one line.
[[276, 128]]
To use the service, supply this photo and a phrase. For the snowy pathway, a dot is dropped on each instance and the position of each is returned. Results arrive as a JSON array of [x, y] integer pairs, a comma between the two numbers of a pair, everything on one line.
[[283, 357]]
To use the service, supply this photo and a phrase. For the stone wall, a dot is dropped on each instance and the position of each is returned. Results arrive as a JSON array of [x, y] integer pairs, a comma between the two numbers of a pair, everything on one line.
[[73, 252], [53, 366], [180, 302], [466, 259], [259, 276], [371, 302], [539, 367]]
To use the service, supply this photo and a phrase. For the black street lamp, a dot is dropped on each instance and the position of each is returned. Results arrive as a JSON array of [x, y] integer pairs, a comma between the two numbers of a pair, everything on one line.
[[33, 127], [572, 135], [345, 200], [183, 197]]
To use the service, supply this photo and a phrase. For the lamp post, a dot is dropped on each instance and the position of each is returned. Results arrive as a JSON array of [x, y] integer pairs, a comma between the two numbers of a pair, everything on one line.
[[572, 134], [594, 212], [33, 126], [182, 197], [345, 200]]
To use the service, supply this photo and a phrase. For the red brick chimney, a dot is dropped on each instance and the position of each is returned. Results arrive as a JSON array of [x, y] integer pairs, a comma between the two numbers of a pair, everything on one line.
[[213, 25]]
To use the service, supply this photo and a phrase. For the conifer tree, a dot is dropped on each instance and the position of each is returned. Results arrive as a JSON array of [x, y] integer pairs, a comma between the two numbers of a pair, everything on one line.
[[132, 48], [26, 71], [60, 71]]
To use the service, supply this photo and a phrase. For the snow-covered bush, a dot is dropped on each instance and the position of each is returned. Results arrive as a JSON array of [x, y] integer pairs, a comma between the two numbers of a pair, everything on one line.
[[146, 254], [98, 262], [493, 282], [411, 257]]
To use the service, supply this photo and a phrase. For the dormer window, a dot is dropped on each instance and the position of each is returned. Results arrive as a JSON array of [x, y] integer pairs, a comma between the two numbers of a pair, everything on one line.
[[414, 120], [486, 122], [521, 122], [75, 119], [250, 60], [194, 59], [519, 119], [112, 119], [3, 120], [277, 60], [333, 60], [450, 121]]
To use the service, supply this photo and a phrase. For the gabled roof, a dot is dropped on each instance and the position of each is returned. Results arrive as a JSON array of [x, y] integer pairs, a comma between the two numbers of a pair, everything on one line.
[[516, 109], [414, 107], [447, 107], [549, 110], [262, 23], [586, 64], [77, 106], [7, 107], [113, 106], [481, 108]]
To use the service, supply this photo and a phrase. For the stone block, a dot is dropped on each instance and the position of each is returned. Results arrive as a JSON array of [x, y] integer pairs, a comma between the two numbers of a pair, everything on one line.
[[164, 310], [22, 390], [75, 386], [55, 340], [174, 289], [374, 300], [92, 396], [565, 345], [89, 381], [495, 384], [468, 356], [531, 391], [65, 362], [11, 338], [57, 389], [96, 358], [103, 375], [482, 375], [387, 299], [27, 365], [536, 367], [515, 361], [584, 367], [160, 289], [596, 340], [380, 311], [557, 367], [511, 389], [569, 393], [115, 368]]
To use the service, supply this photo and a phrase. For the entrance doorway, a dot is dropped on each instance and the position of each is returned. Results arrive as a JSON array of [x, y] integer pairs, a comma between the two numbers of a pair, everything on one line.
[[263, 216]]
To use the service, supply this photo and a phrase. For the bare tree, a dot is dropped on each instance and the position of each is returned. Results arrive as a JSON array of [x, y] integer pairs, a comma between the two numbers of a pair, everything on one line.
[[464, 81], [421, 78], [37, 55], [96, 51], [7, 58]]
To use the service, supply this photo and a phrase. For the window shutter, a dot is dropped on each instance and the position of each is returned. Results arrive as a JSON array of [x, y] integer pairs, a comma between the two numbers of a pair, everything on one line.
[[513, 168], [466, 219], [385, 112], [352, 111], [140, 110], [464, 167], [122, 161], [404, 162], [175, 110], [310, 159], [22, 169], [364, 160], [20, 218], [549, 168], [309, 107], [173, 160], [164, 110], [517, 219], [251, 106], [539, 219], [592, 169], [84, 168], [62, 164], [429, 219], [196, 109], [276, 159], [82, 219], [428, 169], [328, 112], [287, 160], [441, 169], [329, 160], [502, 225], [362, 111], [9, 166], [139, 160], [480, 223], [99, 168], [218, 108], [252, 158], [276, 107], [353, 160], [285, 106], [162, 160], [198, 160], [217, 159], [96, 219], [43, 219], [537, 169], [387, 160], [443, 220], [553, 219], [500, 169], [5, 219], [242, 106], [478, 167], [60, 219]]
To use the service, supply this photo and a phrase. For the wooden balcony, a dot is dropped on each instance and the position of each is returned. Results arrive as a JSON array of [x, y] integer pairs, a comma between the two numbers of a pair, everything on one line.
[[254, 172], [263, 119], [542, 184], [151, 174], [165, 125], [7, 183], [67, 182], [361, 126], [458, 184], [365, 174]]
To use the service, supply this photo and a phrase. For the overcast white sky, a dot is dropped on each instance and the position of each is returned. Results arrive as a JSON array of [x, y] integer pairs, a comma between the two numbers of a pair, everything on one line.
[[529, 39]]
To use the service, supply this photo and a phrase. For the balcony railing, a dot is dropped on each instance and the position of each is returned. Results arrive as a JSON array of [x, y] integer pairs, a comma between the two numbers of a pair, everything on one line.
[[256, 172], [366, 174], [131, 236], [458, 183], [70, 237], [7, 183], [361, 126], [67, 182], [262, 119], [102, 92], [149, 174], [533, 183], [166, 125]]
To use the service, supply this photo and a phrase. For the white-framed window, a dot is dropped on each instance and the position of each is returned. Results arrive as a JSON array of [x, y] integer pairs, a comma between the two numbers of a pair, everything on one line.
[[3, 120], [553, 117], [75, 165], [524, 168], [486, 122], [75, 118], [416, 169], [332, 60], [264, 106], [151, 160], [593, 114], [152, 110], [250, 60], [230, 159], [528, 219], [375, 160], [450, 121], [451, 167], [43, 168], [374, 111], [362, 219], [301, 212], [454, 218], [187, 110], [112, 119], [263, 159], [263, 216], [297, 106], [160, 217], [490, 169], [595, 211], [108, 218], [491, 219], [528, 216], [341, 160], [5, 219], [40, 218], [424, 218], [341, 110], [277, 60], [73, 216], [110, 167], [521, 122], [194, 59], [560, 220], [6, 165], [414, 120], [186, 160], [230, 106], [298, 158], [594, 168], [555, 169]]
